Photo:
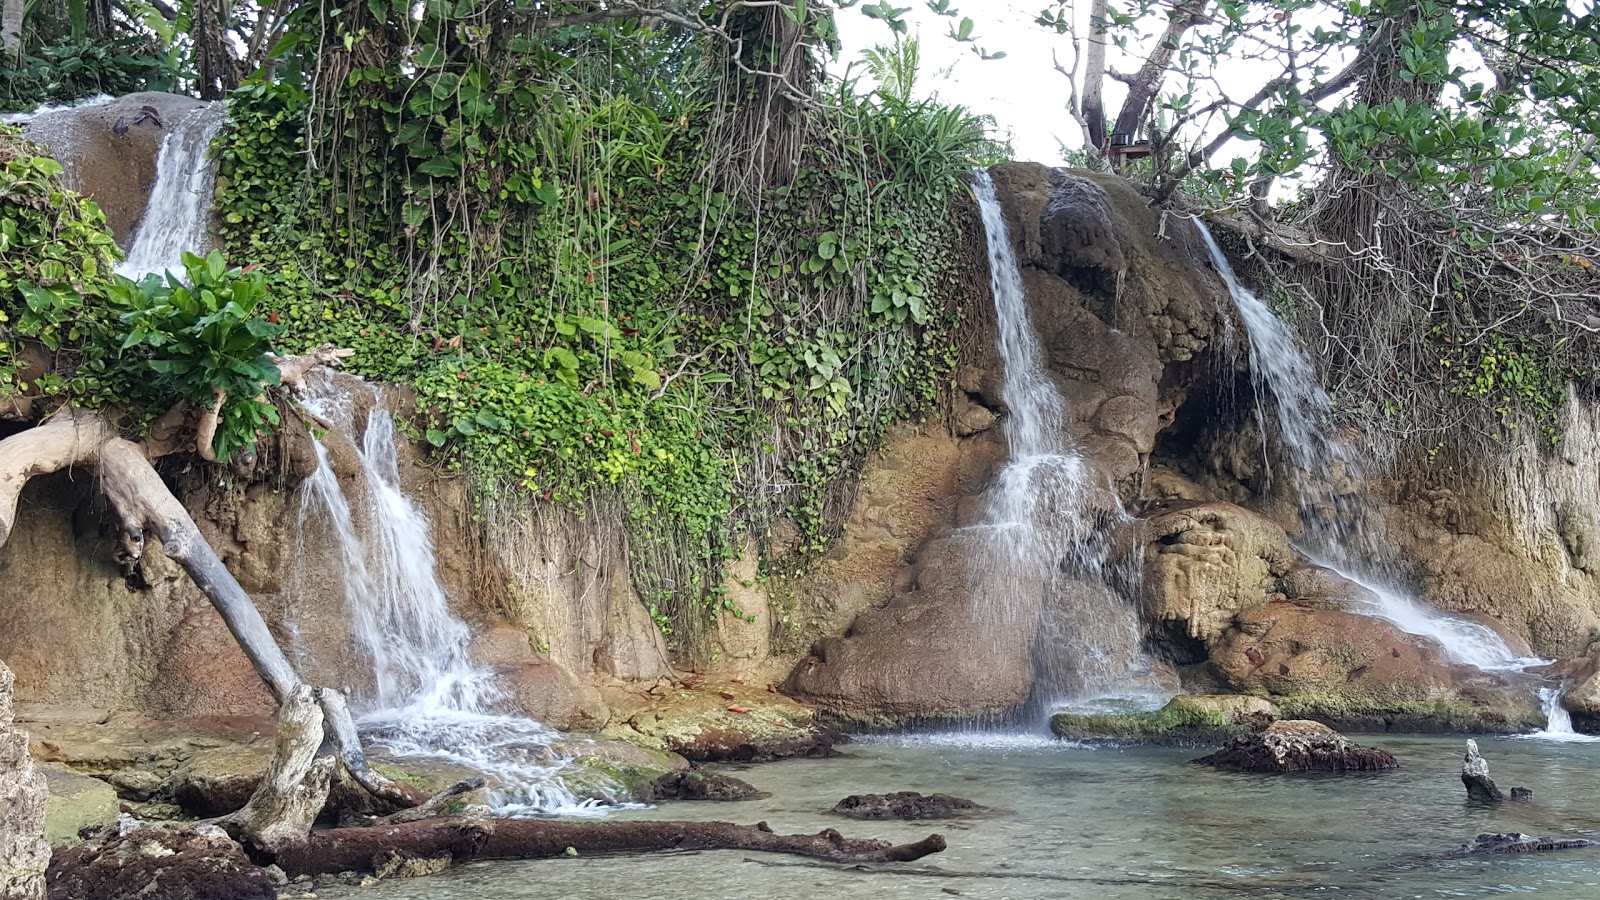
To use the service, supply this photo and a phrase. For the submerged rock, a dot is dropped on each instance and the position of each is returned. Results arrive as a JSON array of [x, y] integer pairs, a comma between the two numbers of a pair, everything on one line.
[[1512, 842], [132, 860], [1298, 746], [1192, 719], [697, 785], [905, 805]]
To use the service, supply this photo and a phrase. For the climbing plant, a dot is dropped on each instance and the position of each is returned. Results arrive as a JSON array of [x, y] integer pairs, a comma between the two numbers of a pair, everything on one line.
[[613, 261]]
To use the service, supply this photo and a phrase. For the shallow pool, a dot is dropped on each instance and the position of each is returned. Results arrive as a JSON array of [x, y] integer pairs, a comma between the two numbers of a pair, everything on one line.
[[1107, 823]]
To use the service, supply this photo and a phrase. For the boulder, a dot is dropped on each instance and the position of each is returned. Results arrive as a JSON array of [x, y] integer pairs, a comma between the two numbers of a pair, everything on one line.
[[76, 802], [905, 805], [24, 852], [1206, 562], [220, 781], [1298, 746], [115, 170], [705, 721], [132, 860], [699, 785], [1209, 719], [1317, 661]]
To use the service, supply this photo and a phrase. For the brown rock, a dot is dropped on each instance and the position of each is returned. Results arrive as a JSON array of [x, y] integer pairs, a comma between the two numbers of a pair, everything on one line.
[[1298, 746], [131, 860], [905, 805]]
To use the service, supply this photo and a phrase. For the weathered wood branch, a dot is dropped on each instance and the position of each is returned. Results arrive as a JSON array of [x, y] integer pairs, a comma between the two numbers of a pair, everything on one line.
[[346, 849], [295, 788]]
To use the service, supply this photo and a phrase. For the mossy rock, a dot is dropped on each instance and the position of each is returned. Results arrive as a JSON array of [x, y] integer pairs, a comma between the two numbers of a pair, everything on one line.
[[76, 802], [1497, 715], [1189, 719]]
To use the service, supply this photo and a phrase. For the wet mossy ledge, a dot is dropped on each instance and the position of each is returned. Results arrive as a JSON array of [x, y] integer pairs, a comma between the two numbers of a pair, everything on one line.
[[1203, 720]]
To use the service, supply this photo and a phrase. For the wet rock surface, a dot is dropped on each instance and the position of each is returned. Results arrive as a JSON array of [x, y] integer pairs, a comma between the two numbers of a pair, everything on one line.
[[1183, 720], [131, 860], [905, 805], [699, 785], [1512, 842], [1298, 746]]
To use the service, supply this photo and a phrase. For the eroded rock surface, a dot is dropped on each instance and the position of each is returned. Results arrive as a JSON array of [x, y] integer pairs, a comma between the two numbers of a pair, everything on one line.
[[24, 852], [905, 805], [1298, 746], [699, 785], [1209, 719], [706, 721]]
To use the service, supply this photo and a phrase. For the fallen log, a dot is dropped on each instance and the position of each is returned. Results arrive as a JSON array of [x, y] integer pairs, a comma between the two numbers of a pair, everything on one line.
[[347, 849]]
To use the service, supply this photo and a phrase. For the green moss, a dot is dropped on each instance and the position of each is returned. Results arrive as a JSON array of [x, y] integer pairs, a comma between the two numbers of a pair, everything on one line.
[[1183, 720]]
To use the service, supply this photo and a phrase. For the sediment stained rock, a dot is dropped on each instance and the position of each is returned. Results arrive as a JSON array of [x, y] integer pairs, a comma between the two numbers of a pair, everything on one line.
[[1298, 746], [905, 805], [131, 860]]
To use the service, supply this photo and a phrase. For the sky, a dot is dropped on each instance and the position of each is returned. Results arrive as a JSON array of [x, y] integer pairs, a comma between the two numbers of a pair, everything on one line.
[[1023, 92]]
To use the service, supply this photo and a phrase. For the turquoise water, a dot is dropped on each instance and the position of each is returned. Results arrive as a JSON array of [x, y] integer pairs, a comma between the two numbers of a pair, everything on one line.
[[1110, 823]]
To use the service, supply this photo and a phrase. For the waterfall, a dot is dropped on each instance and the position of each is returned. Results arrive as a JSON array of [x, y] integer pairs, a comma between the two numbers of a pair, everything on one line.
[[1558, 722], [1340, 528], [1048, 517], [429, 699], [177, 217]]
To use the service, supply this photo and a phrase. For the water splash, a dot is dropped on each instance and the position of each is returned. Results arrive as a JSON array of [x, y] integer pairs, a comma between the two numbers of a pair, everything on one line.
[[1048, 517], [1558, 722], [429, 699], [1341, 531], [26, 116], [177, 217]]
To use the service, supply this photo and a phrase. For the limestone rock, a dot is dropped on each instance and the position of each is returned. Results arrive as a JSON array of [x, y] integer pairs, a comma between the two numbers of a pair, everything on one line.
[[134, 861], [723, 721], [24, 852], [218, 782], [699, 785], [1298, 746], [76, 802], [1183, 720], [1206, 562], [905, 805], [1513, 842], [116, 171]]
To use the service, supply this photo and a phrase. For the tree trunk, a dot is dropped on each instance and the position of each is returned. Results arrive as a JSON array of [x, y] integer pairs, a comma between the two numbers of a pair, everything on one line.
[[1144, 85], [346, 849], [11, 27], [1094, 77], [286, 804]]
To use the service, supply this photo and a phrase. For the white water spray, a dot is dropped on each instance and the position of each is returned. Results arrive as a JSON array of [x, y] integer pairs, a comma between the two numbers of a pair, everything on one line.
[[1048, 518], [1341, 535], [1558, 722], [429, 698], [177, 218]]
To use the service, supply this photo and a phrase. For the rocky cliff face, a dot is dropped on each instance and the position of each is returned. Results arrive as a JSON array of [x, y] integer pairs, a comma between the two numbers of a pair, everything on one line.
[[24, 854], [885, 627]]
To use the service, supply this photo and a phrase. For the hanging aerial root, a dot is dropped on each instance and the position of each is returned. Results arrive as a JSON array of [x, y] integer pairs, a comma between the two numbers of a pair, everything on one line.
[[346, 849]]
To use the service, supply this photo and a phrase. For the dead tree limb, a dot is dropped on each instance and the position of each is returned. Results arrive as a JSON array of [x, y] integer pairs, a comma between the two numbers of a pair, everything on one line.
[[346, 849], [286, 804]]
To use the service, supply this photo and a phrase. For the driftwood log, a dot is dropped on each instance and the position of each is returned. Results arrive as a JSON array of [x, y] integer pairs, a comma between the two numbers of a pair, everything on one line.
[[362, 849]]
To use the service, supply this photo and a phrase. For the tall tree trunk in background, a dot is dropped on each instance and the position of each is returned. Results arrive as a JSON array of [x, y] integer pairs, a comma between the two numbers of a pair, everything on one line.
[[216, 70], [11, 27], [1094, 77], [1144, 85]]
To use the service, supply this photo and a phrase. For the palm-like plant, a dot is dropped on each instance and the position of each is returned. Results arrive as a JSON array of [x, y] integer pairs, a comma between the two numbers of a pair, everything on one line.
[[895, 67]]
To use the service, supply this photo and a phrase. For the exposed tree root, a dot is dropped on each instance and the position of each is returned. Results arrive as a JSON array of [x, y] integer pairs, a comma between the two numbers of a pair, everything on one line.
[[346, 849]]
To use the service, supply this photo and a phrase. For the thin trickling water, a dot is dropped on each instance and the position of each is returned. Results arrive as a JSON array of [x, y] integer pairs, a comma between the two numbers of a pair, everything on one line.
[[177, 218], [1341, 530], [1048, 516], [428, 698]]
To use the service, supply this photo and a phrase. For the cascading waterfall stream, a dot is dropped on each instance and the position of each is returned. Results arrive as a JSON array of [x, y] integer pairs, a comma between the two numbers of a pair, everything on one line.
[[1048, 517], [1340, 530], [429, 699], [1558, 722], [176, 219]]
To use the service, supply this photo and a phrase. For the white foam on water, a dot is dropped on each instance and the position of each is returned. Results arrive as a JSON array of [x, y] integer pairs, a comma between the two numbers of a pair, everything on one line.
[[22, 118], [429, 699], [1558, 722]]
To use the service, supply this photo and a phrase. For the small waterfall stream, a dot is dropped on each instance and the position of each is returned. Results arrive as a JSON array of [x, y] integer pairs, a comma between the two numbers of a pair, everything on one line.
[[177, 218], [429, 698], [1340, 530], [1558, 722], [1048, 518]]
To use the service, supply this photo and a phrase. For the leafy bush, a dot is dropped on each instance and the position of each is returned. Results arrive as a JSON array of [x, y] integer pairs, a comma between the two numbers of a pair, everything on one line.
[[199, 338], [73, 70]]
